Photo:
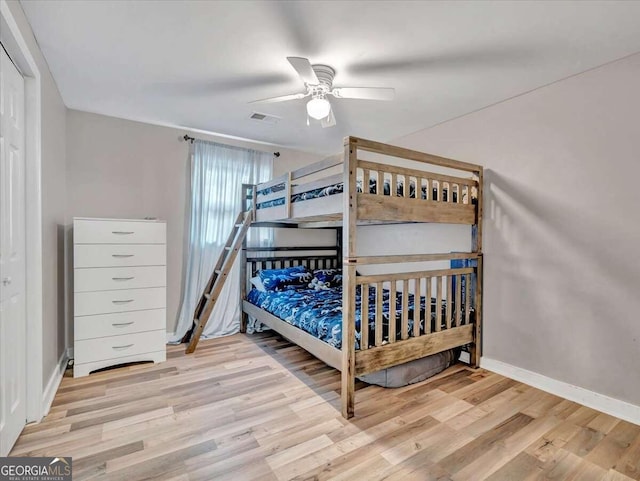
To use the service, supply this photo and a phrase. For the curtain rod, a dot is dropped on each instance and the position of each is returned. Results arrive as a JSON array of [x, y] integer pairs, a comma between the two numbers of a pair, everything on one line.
[[191, 139]]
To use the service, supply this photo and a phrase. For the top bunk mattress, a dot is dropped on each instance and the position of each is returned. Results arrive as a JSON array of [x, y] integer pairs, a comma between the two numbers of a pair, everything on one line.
[[338, 188]]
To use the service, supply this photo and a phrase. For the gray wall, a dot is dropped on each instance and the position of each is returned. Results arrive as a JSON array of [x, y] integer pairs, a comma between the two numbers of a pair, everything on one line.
[[120, 168], [53, 203], [561, 225]]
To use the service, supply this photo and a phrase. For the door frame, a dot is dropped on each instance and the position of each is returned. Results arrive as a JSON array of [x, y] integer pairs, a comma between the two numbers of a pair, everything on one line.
[[17, 48]]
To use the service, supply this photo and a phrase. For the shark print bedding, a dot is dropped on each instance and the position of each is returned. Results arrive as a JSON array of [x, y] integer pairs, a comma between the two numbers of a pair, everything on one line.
[[339, 188], [319, 312]]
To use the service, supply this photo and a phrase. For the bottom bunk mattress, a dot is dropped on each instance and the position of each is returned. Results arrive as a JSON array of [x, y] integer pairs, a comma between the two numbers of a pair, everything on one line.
[[319, 312]]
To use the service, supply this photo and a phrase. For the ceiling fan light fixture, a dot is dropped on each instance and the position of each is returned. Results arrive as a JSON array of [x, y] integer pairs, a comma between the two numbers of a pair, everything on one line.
[[318, 108], [318, 83]]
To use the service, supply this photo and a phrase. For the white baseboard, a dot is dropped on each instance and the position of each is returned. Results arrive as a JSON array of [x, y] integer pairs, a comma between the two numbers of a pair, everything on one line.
[[169, 336], [54, 382], [614, 407]]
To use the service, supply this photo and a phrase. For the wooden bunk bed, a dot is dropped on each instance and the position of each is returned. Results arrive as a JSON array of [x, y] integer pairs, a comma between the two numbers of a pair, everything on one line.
[[414, 195]]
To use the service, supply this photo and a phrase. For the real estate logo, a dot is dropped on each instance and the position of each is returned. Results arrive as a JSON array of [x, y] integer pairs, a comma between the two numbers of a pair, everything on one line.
[[35, 469]]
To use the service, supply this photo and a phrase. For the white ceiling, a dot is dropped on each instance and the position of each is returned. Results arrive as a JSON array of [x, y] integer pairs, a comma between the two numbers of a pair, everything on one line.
[[198, 63]]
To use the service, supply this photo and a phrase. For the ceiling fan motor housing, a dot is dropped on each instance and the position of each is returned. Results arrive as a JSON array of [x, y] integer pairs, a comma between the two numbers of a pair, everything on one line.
[[325, 75]]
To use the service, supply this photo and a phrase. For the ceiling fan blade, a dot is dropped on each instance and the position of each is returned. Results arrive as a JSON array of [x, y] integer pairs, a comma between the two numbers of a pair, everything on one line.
[[364, 93], [479, 56], [329, 120], [303, 67], [282, 98]]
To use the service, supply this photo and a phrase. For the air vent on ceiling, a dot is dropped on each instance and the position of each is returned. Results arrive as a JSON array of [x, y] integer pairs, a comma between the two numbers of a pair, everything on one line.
[[260, 117]]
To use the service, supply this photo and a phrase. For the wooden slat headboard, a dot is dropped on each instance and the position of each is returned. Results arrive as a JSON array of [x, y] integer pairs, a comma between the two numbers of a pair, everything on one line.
[[312, 261], [268, 259]]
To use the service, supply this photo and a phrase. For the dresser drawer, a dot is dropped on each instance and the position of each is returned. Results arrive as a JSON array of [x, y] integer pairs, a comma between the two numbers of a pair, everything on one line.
[[104, 325], [112, 278], [113, 347], [105, 302], [118, 232], [112, 255]]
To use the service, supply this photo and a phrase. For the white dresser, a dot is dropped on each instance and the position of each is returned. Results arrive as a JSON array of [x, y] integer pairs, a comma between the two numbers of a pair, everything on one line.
[[120, 278]]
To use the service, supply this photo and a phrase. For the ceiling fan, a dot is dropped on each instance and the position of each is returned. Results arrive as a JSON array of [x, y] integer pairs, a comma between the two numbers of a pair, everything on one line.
[[318, 79]]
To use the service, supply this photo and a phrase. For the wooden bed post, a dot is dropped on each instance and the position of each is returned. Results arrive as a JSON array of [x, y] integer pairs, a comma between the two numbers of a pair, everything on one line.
[[338, 247], [243, 286], [246, 188], [476, 351], [349, 278]]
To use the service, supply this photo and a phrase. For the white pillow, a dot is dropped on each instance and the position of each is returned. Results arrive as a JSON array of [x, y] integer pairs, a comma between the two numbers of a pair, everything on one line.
[[257, 283]]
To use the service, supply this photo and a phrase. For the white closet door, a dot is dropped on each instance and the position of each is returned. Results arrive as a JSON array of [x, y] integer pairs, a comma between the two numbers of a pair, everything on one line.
[[12, 256]]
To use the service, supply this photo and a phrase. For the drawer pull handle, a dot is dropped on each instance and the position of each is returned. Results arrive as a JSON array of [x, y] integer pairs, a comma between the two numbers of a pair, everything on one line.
[[124, 301], [122, 347], [122, 255], [121, 324], [122, 232], [122, 278]]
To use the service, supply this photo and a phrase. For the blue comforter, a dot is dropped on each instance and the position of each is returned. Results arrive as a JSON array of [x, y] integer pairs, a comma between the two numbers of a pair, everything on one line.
[[319, 312]]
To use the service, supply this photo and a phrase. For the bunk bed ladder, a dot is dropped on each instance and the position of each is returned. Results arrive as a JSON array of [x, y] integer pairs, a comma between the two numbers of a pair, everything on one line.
[[219, 276]]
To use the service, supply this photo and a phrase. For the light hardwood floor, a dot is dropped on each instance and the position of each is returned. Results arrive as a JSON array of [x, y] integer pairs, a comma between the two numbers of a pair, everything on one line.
[[256, 407]]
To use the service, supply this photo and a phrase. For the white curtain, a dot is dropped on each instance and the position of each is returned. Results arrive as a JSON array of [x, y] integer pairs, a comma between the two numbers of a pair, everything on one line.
[[217, 174]]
